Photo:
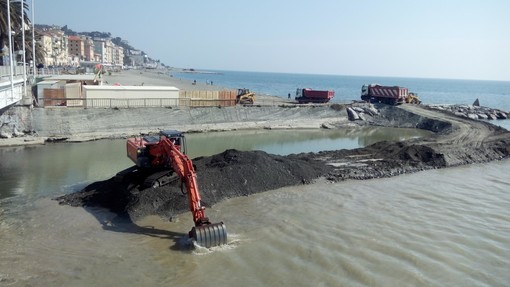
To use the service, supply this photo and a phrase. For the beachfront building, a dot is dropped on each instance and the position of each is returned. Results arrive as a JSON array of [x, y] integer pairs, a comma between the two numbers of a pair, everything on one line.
[[118, 56], [137, 58], [105, 49], [55, 46], [76, 47], [88, 48], [100, 50]]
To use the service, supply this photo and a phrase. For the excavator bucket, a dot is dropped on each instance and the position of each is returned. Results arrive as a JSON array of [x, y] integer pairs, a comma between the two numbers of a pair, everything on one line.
[[209, 235]]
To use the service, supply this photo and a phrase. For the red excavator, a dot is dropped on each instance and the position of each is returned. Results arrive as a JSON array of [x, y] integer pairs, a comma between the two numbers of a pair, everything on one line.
[[161, 160]]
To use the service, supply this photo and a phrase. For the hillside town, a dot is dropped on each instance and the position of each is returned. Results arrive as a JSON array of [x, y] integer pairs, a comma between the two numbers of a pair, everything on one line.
[[61, 49]]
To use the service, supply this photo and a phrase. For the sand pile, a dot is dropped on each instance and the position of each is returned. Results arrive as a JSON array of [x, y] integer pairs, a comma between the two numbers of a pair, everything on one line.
[[233, 173]]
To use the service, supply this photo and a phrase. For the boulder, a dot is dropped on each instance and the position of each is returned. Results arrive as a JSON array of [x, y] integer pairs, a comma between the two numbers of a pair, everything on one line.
[[352, 115], [502, 116], [5, 135], [358, 109], [17, 133], [472, 116], [482, 116]]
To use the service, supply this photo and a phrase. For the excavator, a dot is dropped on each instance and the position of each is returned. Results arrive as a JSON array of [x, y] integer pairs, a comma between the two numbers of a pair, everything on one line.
[[161, 160]]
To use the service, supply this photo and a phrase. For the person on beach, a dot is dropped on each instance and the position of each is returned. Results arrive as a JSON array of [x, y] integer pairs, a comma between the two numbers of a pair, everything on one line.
[[288, 96]]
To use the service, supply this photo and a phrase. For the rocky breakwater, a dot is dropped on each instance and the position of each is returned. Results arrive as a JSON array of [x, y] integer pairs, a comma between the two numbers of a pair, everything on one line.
[[473, 112], [456, 141]]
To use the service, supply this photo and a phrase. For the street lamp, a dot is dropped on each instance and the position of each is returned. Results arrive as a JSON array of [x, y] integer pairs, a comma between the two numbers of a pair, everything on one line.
[[10, 47], [33, 41]]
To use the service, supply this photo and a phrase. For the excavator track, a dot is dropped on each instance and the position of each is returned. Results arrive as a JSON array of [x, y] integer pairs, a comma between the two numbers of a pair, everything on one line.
[[160, 178], [210, 235]]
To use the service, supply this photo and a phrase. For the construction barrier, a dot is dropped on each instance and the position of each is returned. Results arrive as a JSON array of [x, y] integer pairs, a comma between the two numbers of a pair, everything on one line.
[[71, 95], [224, 98]]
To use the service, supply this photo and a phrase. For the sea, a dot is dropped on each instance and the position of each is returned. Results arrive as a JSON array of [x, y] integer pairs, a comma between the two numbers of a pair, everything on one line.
[[443, 227], [494, 94]]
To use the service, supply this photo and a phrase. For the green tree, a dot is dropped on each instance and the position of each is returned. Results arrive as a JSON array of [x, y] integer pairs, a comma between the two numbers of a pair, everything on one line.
[[16, 26]]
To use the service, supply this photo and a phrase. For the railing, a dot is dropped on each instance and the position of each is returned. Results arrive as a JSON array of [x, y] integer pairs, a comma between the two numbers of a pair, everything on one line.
[[5, 71], [9, 96]]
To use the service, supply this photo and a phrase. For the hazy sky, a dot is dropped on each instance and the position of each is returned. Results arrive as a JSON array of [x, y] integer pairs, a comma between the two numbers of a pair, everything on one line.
[[463, 39]]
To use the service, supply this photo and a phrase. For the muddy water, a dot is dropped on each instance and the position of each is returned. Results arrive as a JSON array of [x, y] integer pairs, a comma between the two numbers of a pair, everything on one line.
[[445, 227]]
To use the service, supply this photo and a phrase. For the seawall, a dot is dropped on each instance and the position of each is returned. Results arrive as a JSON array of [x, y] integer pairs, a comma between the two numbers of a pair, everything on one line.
[[111, 123]]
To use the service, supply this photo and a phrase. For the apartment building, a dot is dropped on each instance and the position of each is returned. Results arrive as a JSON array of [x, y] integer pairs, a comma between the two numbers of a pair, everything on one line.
[[62, 50], [55, 44], [76, 47]]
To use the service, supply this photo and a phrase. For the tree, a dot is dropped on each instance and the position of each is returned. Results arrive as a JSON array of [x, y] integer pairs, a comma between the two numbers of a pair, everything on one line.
[[16, 26]]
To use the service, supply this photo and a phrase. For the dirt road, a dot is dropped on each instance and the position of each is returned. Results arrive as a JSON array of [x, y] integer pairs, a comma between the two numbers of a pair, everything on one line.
[[235, 173]]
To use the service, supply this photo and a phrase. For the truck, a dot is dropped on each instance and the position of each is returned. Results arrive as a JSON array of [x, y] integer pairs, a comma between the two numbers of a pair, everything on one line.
[[307, 95], [390, 95]]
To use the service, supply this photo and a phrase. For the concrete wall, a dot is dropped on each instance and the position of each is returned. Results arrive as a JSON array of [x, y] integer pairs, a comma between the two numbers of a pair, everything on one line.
[[66, 122]]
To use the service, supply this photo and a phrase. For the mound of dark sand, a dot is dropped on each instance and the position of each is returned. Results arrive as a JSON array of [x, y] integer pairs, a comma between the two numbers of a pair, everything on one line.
[[229, 174]]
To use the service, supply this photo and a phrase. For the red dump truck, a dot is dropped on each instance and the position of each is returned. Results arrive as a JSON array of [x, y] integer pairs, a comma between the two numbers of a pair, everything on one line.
[[304, 96], [391, 95]]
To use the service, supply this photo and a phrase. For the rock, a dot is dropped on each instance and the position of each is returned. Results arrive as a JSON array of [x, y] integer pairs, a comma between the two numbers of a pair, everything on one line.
[[362, 116], [492, 116], [502, 116], [482, 116], [17, 133], [476, 103], [371, 110], [472, 116], [5, 135], [352, 115], [327, 126], [358, 109], [460, 114]]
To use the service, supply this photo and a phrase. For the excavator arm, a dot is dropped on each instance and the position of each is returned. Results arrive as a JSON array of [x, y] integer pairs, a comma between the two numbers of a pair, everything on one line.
[[183, 166], [205, 233]]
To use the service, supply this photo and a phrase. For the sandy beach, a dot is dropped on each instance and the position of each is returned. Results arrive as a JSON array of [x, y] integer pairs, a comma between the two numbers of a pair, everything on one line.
[[39, 126], [149, 77]]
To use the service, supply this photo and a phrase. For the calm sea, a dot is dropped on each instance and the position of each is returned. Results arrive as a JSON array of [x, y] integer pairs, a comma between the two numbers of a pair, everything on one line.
[[494, 94]]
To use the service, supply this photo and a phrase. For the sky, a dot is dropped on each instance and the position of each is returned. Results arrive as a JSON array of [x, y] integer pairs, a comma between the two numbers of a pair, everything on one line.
[[452, 39]]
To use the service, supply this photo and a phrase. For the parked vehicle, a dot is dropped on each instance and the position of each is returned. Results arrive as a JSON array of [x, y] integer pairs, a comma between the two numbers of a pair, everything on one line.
[[304, 96], [391, 95]]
